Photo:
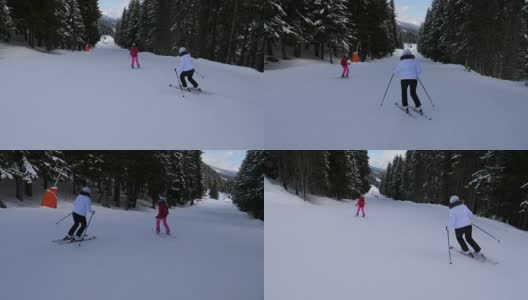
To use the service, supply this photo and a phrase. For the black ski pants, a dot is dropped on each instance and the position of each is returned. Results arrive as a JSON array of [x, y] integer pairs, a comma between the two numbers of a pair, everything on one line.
[[413, 83], [466, 232], [189, 74], [78, 220]]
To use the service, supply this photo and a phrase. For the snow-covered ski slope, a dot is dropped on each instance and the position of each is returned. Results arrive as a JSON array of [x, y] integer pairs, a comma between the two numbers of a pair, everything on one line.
[[96, 101], [311, 107], [320, 250], [217, 254]]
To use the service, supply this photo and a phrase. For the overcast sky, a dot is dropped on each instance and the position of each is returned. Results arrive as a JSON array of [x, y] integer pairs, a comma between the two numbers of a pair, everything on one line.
[[411, 11]]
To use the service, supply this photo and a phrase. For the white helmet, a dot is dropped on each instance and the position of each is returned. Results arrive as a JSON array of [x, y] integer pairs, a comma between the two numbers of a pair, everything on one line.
[[454, 199], [182, 49], [86, 190]]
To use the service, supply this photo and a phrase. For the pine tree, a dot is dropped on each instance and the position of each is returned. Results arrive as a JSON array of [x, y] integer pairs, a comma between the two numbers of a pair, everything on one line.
[[71, 29], [213, 192], [248, 192], [6, 23], [133, 22], [90, 14]]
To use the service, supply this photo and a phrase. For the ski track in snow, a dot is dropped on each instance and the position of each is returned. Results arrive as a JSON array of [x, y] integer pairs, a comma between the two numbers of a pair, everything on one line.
[[217, 254], [311, 108], [320, 250], [96, 101]]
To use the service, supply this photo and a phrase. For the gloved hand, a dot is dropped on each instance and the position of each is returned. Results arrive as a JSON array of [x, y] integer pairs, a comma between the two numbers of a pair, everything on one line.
[[157, 217], [447, 228], [175, 70], [93, 212]]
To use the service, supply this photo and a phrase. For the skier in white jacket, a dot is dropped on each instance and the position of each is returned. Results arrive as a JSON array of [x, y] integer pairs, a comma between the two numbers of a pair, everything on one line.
[[408, 70], [460, 220], [185, 68], [82, 207]]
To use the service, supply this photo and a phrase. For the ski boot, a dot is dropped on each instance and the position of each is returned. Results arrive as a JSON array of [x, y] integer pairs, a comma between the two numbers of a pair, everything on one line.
[[406, 109], [68, 238], [197, 89], [418, 110]]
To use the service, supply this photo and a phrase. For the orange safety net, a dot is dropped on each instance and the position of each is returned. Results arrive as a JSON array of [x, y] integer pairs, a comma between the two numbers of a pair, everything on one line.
[[355, 57], [50, 198]]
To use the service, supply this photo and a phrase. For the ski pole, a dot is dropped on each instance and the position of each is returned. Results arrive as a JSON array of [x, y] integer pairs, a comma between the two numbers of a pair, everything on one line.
[[199, 74], [87, 226], [58, 176], [498, 241], [63, 218], [388, 85], [426, 91], [449, 246], [179, 83]]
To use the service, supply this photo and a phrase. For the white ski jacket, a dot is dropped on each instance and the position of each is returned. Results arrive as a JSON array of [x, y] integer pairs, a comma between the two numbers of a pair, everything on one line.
[[185, 64], [459, 216], [82, 205], [408, 69]]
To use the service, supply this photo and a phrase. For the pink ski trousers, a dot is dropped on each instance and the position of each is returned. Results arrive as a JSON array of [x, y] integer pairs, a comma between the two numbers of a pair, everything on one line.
[[362, 210], [135, 59], [167, 229], [345, 71]]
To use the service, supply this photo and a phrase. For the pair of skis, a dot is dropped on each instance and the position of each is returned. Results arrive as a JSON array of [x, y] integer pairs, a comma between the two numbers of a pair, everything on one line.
[[414, 113], [165, 235], [478, 257], [65, 242], [190, 90]]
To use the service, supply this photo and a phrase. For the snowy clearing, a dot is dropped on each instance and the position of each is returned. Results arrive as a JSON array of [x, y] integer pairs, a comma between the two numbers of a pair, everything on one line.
[[311, 107], [94, 100], [320, 250], [217, 254]]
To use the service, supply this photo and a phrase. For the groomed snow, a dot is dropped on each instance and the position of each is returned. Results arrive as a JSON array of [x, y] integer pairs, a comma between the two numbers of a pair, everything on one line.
[[94, 100], [320, 250], [217, 254], [311, 107]]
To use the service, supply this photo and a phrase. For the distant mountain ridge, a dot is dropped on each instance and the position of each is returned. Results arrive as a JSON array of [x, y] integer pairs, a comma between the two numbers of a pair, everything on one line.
[[375, 176], [408, 26], [107, 25], [408, 32], [223, 178], [227, 173]]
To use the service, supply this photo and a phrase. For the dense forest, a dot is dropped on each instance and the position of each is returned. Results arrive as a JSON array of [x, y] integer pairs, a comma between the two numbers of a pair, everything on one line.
[[52, 24], [336, 174], [490, 37], [229, 31], [180, 176], [248, 192], [491, 183], [331, 27], [136, 174]]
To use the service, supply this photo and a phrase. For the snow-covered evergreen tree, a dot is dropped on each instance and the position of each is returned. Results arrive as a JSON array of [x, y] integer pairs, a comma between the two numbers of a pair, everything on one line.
[[213, 192], [248, 192], [482, 35], [6, 22]]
